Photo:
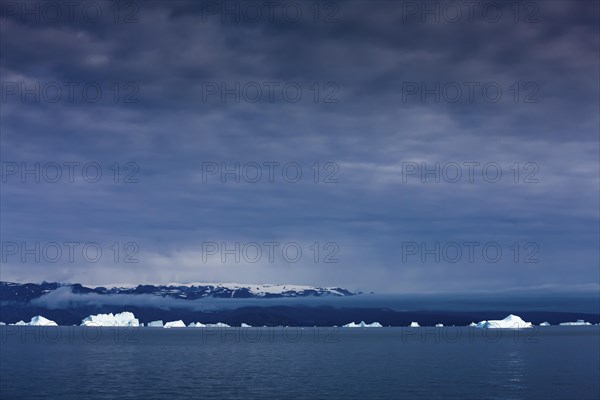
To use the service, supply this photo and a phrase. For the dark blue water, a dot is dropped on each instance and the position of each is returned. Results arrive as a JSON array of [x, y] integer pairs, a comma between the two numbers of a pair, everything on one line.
[[310, 363]]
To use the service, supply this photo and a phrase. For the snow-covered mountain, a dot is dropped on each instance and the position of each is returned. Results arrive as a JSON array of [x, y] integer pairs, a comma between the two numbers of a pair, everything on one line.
[[29, 291]]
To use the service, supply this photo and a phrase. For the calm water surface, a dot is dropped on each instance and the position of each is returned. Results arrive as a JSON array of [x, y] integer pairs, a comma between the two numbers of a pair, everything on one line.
[[309, 363]]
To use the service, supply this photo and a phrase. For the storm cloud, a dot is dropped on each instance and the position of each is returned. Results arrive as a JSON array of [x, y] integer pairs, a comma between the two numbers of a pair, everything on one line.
[[399, 149]]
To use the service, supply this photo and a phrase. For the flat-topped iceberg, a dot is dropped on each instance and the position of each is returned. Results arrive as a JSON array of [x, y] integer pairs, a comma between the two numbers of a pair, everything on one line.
[[579, 322], [155, 324], [414, 325], [125, 318], [362, 324], [510, 322], [439, 325], [175, 324], [218, 325], [196, 325], [545, 324]]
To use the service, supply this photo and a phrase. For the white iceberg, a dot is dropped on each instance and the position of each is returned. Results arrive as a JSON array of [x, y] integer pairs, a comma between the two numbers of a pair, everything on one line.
[[20, 323], [244, 325], [545, 324], [362, 324], [196, 325], [175, 324], [510, 322], [125, 318], [472, 324], [155, 324], [2, 323], [41, 321], [439, 325], [414, 325], [579, 322]]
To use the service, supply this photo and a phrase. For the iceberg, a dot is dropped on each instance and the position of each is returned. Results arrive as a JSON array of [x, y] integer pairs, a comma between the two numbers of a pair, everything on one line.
[[41, 321], [246, 325], [155, 324], [439, 325], [414, 325], [579, 322], [20, 323], [472, 324], [125, 318], [2, 323], [545, 324], [175, 324], [218, 325], [362, 324], [196, 325], [510, 322]]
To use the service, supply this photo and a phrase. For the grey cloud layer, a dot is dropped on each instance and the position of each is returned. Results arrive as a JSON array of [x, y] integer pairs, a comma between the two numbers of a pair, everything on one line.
[[369, 53]]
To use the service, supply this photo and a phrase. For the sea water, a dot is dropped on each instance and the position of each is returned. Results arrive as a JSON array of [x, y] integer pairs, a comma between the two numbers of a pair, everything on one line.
[[299, 363]]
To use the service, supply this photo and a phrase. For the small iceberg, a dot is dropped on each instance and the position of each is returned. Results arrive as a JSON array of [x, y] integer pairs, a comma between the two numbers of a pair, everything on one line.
[[510, 322], [218, 325], [439, 325], [175, 324], [579, 322], [545, 324], [414, 325], [244, 325], [472, 324], [20, 323], [196, 325], [2, 323], [362, 324], [155, 324]]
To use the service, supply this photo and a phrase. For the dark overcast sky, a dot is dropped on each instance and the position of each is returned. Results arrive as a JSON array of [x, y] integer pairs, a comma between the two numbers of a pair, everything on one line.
[[370, 115]]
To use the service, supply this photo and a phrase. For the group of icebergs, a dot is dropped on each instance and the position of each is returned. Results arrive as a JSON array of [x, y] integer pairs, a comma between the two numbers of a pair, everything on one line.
[[579, 322], [362, 324], [35, 321], [127, 319]]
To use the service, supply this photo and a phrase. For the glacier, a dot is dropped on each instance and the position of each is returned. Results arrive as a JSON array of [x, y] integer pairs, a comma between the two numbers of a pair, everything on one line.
[[125, 318], [579, 322], [362, 324], [175, 324], [510, 322]]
